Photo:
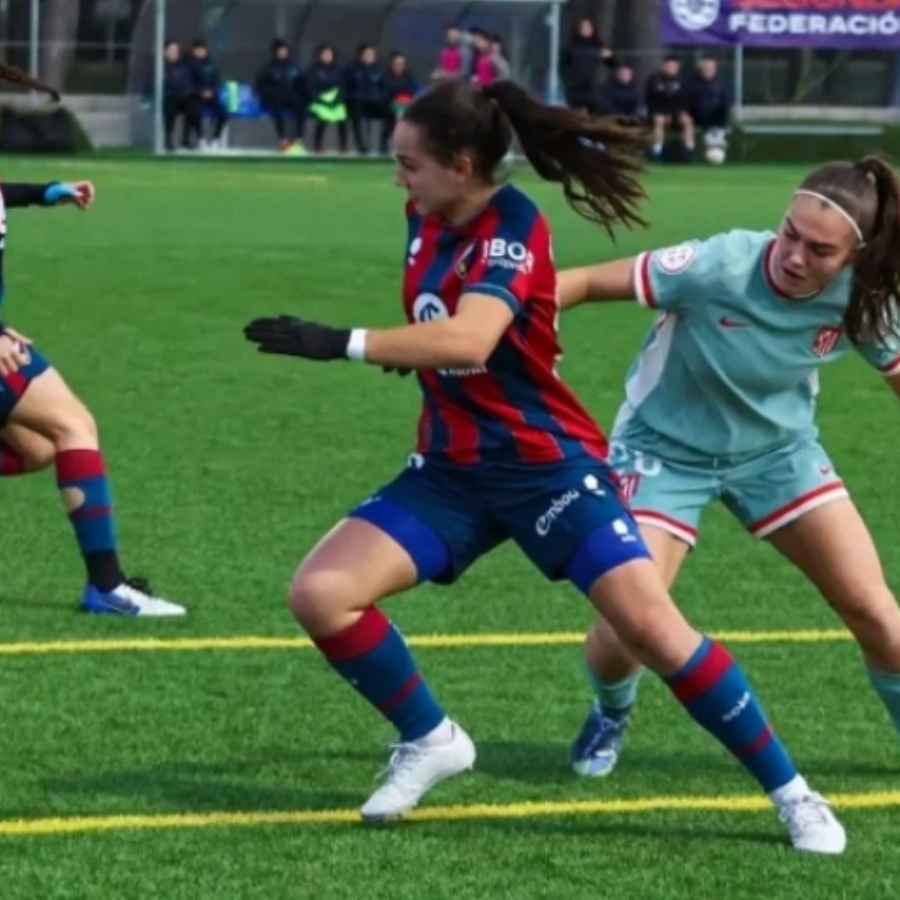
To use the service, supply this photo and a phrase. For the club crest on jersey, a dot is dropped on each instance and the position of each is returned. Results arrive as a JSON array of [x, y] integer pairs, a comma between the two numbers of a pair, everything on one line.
[[673, 260], [464, 263], [428, 308], [826, 339]]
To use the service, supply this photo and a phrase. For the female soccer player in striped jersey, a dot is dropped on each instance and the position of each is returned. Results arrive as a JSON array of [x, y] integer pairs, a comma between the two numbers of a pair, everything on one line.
[[720, 405], [505, 450], [43, 424]]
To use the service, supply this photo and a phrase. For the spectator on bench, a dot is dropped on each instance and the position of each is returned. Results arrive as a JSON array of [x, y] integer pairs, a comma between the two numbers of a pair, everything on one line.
[[583, 60], [176, 95], [400, 88], [710, 103], [502, 67], [484, 68], [620, 95], [668, 106], [282, 94], [326, 85], [456, 55], [367, 100], [203, 101]]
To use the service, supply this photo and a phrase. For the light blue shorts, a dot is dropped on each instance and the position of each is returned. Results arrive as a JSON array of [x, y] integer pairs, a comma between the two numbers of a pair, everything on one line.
[[764, 493]]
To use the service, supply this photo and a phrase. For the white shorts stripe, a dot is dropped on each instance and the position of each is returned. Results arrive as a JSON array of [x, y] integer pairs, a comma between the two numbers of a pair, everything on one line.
[[665, 523], [792, 511]]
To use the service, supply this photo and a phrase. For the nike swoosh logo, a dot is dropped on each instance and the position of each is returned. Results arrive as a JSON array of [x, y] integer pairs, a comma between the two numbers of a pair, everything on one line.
[[725, 322]]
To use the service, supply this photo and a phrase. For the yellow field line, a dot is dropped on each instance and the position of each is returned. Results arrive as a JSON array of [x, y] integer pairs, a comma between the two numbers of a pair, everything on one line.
[[432, 641], [473, 812]]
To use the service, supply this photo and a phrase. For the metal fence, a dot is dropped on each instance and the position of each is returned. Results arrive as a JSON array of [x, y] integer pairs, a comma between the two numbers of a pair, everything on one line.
[[240, 32], [114, 51]]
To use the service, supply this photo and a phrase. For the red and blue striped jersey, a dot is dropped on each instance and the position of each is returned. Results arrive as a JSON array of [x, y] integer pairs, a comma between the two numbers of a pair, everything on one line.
[[516, 409]]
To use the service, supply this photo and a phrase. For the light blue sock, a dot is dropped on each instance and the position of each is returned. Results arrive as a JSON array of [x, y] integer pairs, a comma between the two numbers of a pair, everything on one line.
[[617, 697], [887, 686]]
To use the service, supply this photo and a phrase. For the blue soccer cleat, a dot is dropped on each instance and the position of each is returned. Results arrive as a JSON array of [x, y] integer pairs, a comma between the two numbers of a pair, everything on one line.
[[596, 750], [131, 598]]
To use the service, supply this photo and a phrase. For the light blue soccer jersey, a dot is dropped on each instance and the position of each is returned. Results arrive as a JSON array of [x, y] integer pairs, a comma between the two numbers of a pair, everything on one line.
[[730, 368]]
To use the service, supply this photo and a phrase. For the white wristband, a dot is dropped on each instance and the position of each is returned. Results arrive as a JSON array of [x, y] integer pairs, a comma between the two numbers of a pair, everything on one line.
[[356, 346]]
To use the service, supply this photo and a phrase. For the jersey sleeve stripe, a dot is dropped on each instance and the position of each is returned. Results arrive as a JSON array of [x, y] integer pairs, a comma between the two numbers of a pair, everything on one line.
[[497, 292], [643, 288], [891, 368]]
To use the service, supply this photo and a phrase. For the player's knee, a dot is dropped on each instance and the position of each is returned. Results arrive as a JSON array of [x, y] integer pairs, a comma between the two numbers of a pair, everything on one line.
[[871, 613], [40, 456], [71, 425], [321, 598], [653, 633]]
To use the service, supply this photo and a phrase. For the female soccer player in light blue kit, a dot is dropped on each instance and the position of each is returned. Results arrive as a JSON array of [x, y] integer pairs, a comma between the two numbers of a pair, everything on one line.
[[720, 405]]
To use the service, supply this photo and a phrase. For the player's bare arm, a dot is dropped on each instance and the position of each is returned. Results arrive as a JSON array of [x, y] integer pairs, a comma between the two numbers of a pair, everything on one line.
[[606, 281], [466, 339]]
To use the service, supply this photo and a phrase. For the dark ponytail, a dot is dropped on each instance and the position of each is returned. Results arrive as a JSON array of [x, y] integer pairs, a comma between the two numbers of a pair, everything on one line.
[[876, 274], [597, 160], [18, 76], [869, 192]]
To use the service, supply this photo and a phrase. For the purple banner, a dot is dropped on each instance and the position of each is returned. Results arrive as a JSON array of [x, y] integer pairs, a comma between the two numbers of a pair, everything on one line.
[[831, 24]]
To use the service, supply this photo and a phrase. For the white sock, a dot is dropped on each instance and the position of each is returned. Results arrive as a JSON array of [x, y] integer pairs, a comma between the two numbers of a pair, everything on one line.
[[796, 787], [442, 733]]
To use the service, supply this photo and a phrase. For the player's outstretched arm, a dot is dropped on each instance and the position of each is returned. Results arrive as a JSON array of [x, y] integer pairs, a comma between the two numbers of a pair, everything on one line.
[[605, 281], [464, 340], [79, 193]]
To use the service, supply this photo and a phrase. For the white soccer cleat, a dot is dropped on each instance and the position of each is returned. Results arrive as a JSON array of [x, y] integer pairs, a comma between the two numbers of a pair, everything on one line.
[[413, 770], [812, 825], [133, 597]]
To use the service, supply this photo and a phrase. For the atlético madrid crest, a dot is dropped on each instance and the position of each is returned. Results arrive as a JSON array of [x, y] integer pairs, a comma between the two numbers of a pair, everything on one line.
[[695, 15], [826, 339]]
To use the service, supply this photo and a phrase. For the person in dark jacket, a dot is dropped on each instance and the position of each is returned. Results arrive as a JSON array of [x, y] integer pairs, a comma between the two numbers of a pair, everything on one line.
[[400, 87], [583, 61], [668, 106], [328, 102], [176, 95], [204, 99], [282, 94], [709, 100], [620, 95], [366, 99]]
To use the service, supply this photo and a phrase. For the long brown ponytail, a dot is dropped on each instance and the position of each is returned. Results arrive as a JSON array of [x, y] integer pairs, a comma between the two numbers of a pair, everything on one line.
[[19, 76]]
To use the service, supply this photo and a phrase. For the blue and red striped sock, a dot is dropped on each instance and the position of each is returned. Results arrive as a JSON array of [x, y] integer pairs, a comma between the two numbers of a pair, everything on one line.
[[84, 486], [714, 690], [373, 657]]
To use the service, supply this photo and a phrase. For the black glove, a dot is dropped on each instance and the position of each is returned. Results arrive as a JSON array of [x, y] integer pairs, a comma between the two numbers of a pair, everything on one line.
[[389, 370], [291, 336]]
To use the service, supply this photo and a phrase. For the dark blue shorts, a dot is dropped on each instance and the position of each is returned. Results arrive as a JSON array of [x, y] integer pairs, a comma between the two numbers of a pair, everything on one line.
[[13, 386], [568, 518]]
